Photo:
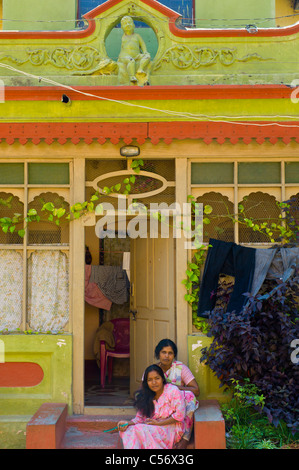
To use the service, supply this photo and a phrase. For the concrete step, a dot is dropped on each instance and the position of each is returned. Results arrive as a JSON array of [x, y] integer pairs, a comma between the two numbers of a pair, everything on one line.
[[96, 422], [76, 439], [87, 432]]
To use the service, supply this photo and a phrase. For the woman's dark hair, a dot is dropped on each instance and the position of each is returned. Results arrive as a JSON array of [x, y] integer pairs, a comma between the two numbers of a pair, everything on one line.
[[144, 398], [162, 344]]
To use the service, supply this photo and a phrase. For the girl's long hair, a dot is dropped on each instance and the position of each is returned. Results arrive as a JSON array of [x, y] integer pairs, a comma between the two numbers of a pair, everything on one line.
[[144, 398]]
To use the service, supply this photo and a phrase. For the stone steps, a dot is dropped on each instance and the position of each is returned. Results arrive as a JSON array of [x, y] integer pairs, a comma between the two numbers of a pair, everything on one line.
[[87, 432], [52, 428]]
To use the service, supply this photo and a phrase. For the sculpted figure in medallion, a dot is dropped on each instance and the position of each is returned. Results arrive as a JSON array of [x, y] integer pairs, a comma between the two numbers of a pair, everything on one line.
[[133, 61]]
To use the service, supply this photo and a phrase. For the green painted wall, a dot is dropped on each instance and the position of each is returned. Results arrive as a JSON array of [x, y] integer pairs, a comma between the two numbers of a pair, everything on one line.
[[207, 381], [54, 355], [234, 13], [13, 431], [29, 15]]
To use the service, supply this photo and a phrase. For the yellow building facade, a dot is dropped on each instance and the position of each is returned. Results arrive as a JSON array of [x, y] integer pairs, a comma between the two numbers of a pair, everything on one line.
[[214, 115]]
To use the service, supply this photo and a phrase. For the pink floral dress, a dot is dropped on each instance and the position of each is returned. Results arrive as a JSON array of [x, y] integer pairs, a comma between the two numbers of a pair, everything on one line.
[[180, 375], [148, 436]]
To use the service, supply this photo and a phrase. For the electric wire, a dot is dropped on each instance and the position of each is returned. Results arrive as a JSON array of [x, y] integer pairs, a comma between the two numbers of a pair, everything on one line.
[[195, 117], [186, 21], [151, 16]]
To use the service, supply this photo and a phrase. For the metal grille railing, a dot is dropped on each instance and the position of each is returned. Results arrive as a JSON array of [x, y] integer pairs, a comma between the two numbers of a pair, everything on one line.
[[45, 232], [143, 184], [221, 226], [261, 207], [10, 205]]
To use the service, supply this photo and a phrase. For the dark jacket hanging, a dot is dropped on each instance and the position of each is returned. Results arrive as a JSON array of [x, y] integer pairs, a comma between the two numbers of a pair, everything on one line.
[[227, 258]]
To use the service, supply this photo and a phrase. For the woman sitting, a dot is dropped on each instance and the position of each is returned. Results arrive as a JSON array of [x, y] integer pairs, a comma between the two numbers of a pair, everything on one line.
[[180, 375], [159, 422]]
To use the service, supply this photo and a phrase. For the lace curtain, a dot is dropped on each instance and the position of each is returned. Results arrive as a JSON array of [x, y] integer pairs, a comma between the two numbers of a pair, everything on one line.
[[48, 290], [11, 289]]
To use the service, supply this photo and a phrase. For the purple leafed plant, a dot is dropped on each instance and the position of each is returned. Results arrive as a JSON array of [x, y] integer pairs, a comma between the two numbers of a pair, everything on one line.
[[256, 344]]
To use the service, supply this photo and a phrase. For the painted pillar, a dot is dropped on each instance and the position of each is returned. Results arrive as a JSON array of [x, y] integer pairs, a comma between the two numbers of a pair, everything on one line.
[[77, 301], [182, 311]]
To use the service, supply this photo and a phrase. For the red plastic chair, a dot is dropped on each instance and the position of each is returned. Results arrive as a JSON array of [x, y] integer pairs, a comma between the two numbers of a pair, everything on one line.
[[121, 333]]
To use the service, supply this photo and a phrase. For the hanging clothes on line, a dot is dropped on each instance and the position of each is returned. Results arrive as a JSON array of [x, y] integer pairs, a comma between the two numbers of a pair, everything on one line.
[[112, 281], [227, 258], [93, 295], [273, 263], [249, 266]]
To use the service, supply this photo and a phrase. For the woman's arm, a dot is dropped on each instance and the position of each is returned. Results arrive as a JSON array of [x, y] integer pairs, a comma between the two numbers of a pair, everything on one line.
[[191, 386], [188, 381]]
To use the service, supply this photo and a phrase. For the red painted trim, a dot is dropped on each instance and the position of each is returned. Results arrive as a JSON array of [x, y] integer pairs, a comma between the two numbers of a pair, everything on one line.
[[126, 93], [20, 374], [62, 131], [154, 131], [170, 14], [222, 131]]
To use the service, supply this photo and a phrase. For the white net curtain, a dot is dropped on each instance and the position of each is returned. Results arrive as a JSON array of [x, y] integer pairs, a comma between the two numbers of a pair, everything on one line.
[[11, 289], [48, 290]]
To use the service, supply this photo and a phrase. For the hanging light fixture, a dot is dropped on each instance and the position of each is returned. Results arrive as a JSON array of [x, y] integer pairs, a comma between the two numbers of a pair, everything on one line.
[[130, 151]]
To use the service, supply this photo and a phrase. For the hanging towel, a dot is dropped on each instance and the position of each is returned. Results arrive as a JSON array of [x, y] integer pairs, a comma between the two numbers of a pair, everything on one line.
[[273, 263], [93, 295], [126, 263], [263, 260], [112, 281]]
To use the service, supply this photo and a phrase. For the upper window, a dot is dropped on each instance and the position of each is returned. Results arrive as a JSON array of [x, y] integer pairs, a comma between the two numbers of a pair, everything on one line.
[[252, 189], [34, 265]]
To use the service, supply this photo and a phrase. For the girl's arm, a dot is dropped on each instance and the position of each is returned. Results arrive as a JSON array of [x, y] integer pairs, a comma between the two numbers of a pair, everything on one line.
[[161, 422], [123, 425]]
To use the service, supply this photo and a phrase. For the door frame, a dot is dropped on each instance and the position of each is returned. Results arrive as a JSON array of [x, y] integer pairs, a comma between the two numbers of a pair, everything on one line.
[[77, 262]]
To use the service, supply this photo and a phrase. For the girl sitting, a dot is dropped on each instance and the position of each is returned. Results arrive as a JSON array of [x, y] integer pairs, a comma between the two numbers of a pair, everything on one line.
[[159, 422]]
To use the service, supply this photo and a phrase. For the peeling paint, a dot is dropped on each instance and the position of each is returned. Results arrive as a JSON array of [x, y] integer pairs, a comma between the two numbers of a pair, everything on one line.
[[197, 345]]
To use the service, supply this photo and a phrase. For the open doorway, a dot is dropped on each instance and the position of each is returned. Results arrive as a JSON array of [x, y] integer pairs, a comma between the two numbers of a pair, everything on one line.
[[152, 302], [114, 253]]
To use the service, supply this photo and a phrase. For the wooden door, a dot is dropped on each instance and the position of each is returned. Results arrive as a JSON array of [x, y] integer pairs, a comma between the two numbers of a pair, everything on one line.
[[152, 301]]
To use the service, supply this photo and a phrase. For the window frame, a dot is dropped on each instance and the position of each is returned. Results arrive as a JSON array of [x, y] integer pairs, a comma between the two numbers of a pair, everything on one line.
[[24, 248], [235, 187]]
